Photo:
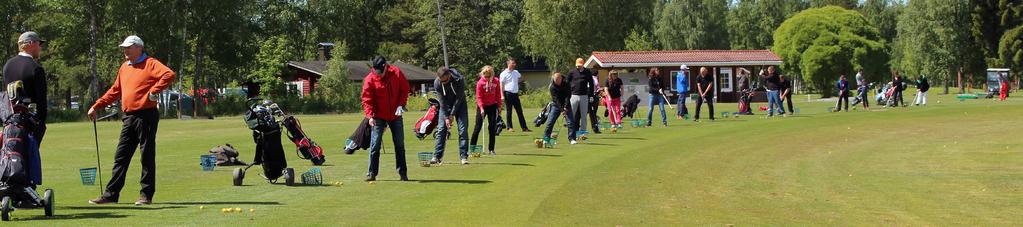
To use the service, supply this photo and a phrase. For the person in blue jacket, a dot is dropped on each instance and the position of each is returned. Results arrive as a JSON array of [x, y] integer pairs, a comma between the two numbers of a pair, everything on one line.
[[682, 86], [843, 93]]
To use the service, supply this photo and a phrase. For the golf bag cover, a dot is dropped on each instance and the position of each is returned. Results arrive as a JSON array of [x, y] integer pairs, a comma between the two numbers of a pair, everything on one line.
[[307, 149], [500, 125], [226, 155], [426, 124], [630, 106], [541, 118], [270, 153], [360, 138]]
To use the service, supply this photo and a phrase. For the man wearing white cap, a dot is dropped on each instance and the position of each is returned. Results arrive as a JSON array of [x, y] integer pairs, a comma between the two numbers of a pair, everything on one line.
[[682, 87], [139, 82], [24, 67]]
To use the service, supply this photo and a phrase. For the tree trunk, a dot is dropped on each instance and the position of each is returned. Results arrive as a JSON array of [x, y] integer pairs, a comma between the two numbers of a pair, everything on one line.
[[93, 39], [195, 80]]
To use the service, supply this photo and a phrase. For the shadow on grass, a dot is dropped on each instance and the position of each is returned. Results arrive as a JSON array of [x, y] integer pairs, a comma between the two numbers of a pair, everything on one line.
[[96, 215], [541, 155], [503, 164], [446, 181], [126, 206], [599, 144], [623, 138], [224, 203]]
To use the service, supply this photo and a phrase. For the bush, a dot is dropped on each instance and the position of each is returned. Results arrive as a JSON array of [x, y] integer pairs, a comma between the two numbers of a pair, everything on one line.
[[68, 115]]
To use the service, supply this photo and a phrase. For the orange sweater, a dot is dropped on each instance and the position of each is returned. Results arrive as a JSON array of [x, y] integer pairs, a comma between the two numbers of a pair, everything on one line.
[[135, 82]]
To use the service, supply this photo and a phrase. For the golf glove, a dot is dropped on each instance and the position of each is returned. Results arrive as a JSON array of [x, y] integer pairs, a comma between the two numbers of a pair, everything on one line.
[[399, 111], [153, 97]]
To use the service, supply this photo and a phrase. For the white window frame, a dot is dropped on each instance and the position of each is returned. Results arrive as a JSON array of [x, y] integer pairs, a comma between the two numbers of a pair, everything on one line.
[[674, 77], [725, 74]]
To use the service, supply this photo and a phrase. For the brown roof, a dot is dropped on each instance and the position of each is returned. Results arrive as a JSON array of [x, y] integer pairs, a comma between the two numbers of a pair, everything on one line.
[[359, 69], [626, 59]]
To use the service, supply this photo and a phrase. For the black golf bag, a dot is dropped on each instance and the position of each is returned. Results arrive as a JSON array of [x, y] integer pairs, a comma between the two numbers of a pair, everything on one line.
[[630, 106], [20, 166], [541, 118], [266, 133]]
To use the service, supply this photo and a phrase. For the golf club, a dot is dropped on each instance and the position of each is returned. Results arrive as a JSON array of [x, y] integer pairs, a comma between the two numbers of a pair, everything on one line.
[[666, 100], [99, 171]]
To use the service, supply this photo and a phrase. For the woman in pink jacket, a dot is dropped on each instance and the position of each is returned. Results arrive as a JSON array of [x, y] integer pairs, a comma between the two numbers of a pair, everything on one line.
[[488, 104]]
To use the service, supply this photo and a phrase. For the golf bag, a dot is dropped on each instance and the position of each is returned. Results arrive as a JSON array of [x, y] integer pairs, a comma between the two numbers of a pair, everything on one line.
[[306, 148], [20, 165], [745, 96], [359, 139], [426, 124], [541, 118], [630, 106], [500, 125], [266, 133], [226, 155]]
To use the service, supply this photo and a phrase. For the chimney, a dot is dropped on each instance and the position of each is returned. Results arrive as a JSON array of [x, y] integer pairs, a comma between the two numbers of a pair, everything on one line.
[[324, 50]]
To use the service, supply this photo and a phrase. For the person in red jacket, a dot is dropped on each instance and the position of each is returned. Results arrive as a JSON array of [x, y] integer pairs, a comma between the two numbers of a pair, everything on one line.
[[1003, 91], [488, 105], [385, 92]]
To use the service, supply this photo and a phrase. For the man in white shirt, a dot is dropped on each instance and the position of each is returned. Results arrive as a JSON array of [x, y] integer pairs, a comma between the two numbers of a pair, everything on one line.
[[510, 79]]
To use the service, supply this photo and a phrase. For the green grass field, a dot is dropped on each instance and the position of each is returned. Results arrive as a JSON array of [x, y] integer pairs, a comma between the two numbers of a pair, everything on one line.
[[951, 163]]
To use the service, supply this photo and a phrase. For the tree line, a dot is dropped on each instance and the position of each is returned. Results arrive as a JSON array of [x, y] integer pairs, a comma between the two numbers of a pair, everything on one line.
[[213, 44]]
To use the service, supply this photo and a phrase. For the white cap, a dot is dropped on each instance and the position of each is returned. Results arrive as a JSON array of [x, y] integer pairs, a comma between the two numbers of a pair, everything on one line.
[[684, 67], [132, 40]]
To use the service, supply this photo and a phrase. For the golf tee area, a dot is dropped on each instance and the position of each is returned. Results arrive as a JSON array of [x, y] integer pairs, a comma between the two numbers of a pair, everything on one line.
[[951, 163]]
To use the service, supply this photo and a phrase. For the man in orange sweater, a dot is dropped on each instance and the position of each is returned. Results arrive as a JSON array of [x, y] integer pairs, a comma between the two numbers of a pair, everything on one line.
[[139, 82]]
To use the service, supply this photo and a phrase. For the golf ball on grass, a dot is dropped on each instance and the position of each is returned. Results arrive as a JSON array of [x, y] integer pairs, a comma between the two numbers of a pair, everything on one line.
[[252, 210], [238, 209], [202, 207]]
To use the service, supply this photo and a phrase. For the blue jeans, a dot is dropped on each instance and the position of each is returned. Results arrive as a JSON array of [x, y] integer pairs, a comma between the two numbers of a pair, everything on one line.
[[552, 119], [774, 103], [659, 100], [682, 111], [376, 138], [462, 120]]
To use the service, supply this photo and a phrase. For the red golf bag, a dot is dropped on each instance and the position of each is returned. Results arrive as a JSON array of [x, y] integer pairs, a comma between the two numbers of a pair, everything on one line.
[[426, 124], [307, 149]]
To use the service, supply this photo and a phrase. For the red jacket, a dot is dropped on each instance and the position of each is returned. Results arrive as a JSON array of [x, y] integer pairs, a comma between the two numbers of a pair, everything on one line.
[[381, 95], [488, 93]]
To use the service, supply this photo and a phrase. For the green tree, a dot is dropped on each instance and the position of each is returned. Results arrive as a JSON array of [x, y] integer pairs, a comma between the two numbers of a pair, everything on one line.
[[639, 40], [848, 4], [1010, 49], [270, 63], [692, 24], [948, 48], [991, 19], [820, 44], [562, 30], [337, 90], [751, 22]]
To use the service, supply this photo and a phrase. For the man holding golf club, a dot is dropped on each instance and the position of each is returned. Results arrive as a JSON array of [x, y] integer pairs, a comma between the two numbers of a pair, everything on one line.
[[450, 89], [774, 85], [384, 95], [24, 67], [656, 89], [140, 79], [705, 87]]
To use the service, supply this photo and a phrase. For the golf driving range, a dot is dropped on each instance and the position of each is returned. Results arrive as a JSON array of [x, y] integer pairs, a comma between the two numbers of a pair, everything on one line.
[[950, 163]]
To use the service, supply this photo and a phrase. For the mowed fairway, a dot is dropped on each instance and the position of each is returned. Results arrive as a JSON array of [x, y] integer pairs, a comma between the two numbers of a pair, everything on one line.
[[954, 163]]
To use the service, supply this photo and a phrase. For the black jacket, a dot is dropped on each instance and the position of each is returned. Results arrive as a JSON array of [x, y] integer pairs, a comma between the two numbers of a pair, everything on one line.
[[452, 94], [773, 81], [581, 82], [922, 84], [654, 85], [614, 87], [560, 95], [33, 76]]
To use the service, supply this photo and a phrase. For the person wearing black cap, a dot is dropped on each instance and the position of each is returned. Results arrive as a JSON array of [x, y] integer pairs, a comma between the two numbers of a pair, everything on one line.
[[450, 87], [385, 92], [23, 67]]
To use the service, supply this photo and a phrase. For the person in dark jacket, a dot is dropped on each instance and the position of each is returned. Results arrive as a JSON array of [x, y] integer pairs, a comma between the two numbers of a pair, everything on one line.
[[705, 87], [786, 92], [450, 88], [921, 90], [774, 85], [843, 93], [595, 102], [24, 67], [561, 93], [900, 86], [384, 95], [614, 88], [655, 86], [581, 81]]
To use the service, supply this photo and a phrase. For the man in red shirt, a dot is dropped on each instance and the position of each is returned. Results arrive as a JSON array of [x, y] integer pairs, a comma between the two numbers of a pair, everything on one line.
[[384, 95], [139, 82]]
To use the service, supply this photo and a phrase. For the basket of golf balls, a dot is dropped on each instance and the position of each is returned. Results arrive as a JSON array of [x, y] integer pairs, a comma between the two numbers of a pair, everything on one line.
[[476, 150], [549, 142], [424, 158], [538, 141], [639, 123], [312, 177]]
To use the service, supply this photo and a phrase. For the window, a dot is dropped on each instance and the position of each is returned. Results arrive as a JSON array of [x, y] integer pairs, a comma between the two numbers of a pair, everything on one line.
[[724, 78], [674, 77]]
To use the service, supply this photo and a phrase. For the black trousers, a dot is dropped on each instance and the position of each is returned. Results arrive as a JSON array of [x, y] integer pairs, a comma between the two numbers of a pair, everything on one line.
[[842, 98], [511, 101], [138, 129], [594, 119], [490, 112], [788, 100], [710, 106]]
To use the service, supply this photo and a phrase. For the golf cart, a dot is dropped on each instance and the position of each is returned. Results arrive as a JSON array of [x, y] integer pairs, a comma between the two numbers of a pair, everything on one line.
[[994, 81]]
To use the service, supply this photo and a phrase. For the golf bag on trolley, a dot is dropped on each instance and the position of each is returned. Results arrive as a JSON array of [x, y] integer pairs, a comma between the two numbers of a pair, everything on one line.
[[630, 106], [426, 124], [20, 166], [307, 149], [266, 133], [541, 118]]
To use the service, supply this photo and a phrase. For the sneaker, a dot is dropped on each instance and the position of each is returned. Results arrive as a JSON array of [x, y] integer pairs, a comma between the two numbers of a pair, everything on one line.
[[101, 201], [434, 161], [465, 161], [492, 153], [371, 178], [573, 142], [526, 130], [143, 201]]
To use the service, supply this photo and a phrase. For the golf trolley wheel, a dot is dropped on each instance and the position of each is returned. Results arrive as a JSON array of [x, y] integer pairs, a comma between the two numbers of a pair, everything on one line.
[[48, 202], [5, 208], [289, 177], [239, 176], [318, 161]]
